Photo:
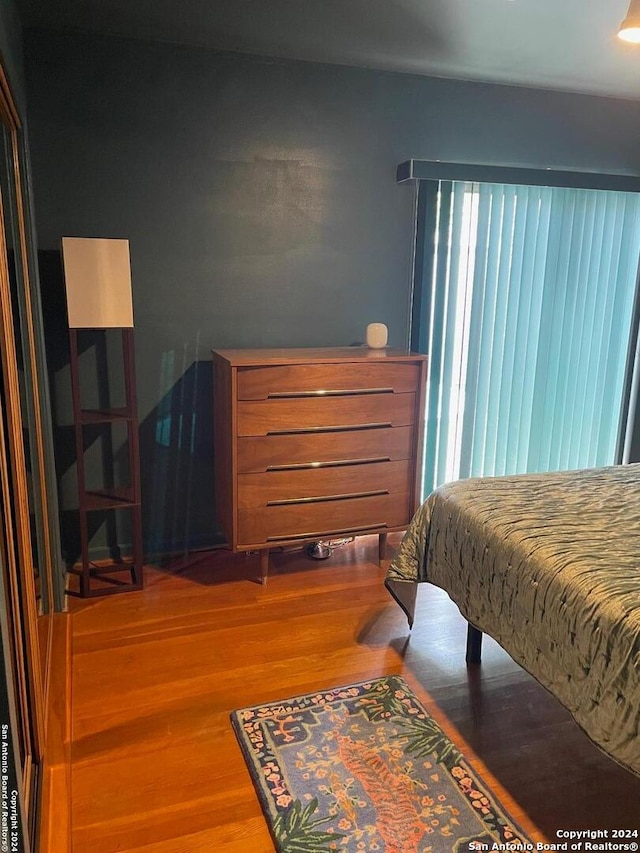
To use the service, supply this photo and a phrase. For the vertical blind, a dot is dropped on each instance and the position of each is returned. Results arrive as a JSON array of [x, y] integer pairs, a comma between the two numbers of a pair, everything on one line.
[[531, 296]]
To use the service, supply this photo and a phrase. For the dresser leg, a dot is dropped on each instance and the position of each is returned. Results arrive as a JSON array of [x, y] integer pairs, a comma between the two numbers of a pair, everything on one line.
[[264, 565], [382, 547]]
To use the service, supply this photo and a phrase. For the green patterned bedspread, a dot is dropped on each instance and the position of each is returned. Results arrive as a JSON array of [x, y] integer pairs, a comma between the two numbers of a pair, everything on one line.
[[548, 565]]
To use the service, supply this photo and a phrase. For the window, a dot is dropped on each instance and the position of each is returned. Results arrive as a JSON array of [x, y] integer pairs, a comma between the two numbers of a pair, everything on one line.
[[525, 304]]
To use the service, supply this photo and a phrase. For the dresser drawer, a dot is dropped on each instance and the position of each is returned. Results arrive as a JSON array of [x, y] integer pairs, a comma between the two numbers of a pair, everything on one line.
[[260, 383], [274, 452], [322, 519], [274, 416], [321, 484]]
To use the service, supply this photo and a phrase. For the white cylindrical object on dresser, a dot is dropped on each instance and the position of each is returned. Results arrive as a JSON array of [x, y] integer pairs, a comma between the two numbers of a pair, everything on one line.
[[377, 335]]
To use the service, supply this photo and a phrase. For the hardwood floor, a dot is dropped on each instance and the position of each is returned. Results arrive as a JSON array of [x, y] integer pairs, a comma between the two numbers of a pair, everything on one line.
[[155, 764]]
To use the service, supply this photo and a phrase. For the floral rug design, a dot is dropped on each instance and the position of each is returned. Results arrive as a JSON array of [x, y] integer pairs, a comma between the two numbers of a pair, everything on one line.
[[366, 768]]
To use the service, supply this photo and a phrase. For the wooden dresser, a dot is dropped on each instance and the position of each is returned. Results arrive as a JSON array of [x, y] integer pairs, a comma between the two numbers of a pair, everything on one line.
[[312, 444]]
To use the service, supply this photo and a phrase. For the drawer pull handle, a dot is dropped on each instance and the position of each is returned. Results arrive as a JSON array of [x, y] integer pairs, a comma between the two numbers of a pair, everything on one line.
[[323, 534], [336, 428], [301, 466], [327, 498], [337, 392]]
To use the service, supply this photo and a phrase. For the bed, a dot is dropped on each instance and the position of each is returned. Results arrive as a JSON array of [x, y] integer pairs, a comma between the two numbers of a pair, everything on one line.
[[549, 566]]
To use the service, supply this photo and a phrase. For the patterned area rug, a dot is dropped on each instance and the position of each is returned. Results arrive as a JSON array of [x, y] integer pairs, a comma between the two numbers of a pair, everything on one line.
[[366, 768]]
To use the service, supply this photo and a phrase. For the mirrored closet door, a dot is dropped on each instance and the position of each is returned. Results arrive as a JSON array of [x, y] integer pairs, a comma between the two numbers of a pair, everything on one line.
[[25, 543]]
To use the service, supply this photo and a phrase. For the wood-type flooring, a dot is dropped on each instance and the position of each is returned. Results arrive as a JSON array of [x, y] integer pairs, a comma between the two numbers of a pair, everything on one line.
[[155, 764]]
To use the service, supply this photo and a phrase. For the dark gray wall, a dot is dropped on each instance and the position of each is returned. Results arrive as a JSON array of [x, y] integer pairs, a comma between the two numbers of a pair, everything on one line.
[[260, 200]]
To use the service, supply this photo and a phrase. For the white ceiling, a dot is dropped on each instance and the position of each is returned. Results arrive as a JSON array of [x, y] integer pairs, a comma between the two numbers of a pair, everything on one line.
[[554, 44]]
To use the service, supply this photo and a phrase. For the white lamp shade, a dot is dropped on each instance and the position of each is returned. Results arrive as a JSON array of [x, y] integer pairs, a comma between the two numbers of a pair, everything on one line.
[[97, 273], [630, 27]]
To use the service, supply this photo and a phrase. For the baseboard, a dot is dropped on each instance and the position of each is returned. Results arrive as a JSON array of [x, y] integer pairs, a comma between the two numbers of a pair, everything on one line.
[[55, 804], [169, 550], [160, 550]]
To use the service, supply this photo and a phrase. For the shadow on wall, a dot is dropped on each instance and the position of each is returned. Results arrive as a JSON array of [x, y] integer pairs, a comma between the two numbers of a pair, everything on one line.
[[176, 447], [177, 468]]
